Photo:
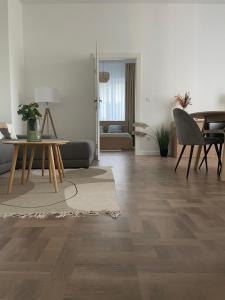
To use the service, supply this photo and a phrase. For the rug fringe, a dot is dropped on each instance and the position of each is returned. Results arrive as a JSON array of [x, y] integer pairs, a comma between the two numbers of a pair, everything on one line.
[[57, 215]]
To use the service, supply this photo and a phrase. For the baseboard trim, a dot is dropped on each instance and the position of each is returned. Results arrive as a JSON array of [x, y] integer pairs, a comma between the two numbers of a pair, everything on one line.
[[153, 153]]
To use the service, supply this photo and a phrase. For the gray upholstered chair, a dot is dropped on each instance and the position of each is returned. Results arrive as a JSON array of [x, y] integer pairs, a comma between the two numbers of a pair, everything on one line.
[[188, 133]]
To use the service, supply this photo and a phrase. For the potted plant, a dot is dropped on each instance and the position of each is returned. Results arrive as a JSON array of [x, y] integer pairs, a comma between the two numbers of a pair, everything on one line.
[[162, 136], [31, 115]]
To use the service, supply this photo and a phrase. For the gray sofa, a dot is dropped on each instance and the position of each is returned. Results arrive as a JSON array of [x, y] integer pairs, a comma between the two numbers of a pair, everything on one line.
[[6, 152], [78, 154]]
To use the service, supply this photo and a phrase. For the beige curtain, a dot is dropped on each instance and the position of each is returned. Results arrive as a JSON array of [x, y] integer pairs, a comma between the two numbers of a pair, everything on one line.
[[130, 95]]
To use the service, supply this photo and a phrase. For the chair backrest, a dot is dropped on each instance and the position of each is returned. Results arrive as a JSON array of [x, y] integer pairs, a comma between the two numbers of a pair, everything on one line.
[[188, 132], [216, 126]]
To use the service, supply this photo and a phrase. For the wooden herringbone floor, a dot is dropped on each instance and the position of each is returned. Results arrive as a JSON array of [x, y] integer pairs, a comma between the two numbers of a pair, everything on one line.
[[169, 243]]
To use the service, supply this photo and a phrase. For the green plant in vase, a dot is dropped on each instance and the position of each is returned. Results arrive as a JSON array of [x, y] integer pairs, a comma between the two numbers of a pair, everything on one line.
[[162, 136], [31, 115]]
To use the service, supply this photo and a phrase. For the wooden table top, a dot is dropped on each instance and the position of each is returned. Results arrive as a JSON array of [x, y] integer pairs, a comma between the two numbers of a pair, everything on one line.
[[42, 142], [217, 114]]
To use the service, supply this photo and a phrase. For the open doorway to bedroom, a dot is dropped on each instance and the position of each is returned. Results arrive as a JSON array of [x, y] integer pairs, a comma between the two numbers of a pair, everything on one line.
[[117, 91]]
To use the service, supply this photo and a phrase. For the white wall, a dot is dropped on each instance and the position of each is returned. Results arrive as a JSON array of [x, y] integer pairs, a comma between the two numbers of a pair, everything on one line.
[[11, 61], [16, 59], [5, 102], [182, 48]]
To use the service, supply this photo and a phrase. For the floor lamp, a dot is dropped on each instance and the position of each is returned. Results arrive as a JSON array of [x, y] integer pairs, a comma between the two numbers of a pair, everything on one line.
[[47, 96]]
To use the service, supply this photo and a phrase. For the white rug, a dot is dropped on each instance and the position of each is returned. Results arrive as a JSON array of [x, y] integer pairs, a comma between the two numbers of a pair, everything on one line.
[[83, 192]]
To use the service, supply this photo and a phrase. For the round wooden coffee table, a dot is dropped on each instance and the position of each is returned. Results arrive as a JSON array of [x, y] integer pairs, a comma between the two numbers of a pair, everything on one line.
[[53, 155]]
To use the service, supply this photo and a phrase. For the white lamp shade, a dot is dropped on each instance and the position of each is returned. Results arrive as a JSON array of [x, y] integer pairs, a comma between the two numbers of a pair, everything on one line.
[[46, 94]]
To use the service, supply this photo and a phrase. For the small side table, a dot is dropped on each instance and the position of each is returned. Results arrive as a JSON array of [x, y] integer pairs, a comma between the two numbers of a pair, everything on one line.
[[54, 160]]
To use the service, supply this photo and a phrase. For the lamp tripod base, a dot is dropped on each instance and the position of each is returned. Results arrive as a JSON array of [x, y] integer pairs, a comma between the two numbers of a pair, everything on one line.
[[47, 119]]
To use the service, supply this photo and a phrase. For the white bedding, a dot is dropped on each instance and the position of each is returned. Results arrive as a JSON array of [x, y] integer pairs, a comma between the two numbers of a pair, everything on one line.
[[112, 135]]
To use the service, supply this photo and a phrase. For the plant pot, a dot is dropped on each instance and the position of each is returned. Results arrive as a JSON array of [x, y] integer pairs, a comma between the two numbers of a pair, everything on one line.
[[164, 152], [34, 130]]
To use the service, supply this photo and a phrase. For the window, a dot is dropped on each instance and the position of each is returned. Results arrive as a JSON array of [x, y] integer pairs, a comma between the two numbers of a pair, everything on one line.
[[112, 93]]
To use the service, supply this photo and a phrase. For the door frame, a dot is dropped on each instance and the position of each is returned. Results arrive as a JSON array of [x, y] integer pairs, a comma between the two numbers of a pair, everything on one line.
[[137, 58], [97, 102]]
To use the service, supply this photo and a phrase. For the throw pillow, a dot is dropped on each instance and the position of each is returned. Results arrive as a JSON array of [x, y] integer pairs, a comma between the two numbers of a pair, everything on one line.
[[5, 134], [11, 131], [115, 128]]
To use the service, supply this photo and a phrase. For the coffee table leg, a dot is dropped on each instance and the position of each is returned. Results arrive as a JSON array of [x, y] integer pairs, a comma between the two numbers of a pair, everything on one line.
[[13, 167], [31, 161], [52, 163], [43, 160], [24, 163], [60, 160]]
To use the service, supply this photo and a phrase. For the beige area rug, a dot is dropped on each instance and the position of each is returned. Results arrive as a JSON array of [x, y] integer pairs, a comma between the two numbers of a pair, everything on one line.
[[83, 192]]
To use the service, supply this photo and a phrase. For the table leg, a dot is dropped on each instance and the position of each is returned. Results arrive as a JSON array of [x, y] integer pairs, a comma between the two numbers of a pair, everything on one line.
[[43, 161], [24, 163], [58, 162], [222, 174], [198, 157], [13, 167], [52, 163], [49, 166], [31, 161]]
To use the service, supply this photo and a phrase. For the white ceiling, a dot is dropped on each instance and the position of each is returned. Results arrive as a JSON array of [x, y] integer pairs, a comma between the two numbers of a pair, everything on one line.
[[125, 1]]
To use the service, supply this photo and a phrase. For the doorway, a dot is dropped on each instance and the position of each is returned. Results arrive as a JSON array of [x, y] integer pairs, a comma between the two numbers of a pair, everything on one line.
[[117, 112]]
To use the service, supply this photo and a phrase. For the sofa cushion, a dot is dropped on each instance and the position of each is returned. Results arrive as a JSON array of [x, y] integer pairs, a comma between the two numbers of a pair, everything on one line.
[[6, 152], [78, 150], [44, 136]]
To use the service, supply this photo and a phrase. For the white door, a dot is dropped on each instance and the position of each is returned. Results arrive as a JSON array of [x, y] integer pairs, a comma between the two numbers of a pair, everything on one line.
[[97, 103]]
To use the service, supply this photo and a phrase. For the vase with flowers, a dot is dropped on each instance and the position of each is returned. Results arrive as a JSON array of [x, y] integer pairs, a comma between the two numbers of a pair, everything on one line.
[[183, 101]]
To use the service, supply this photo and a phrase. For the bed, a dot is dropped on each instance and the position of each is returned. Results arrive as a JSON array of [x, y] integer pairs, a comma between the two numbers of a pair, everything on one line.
[[111, 139]]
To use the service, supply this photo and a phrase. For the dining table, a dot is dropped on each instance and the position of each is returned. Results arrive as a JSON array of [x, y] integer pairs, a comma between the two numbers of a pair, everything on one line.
[[210, 117]]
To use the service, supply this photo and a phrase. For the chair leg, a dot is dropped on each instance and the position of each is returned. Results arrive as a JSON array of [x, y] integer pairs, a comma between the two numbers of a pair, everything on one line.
[[220, 149], [218, 152], [190, 158], [204, 156], [206, 160], [181, 154]]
